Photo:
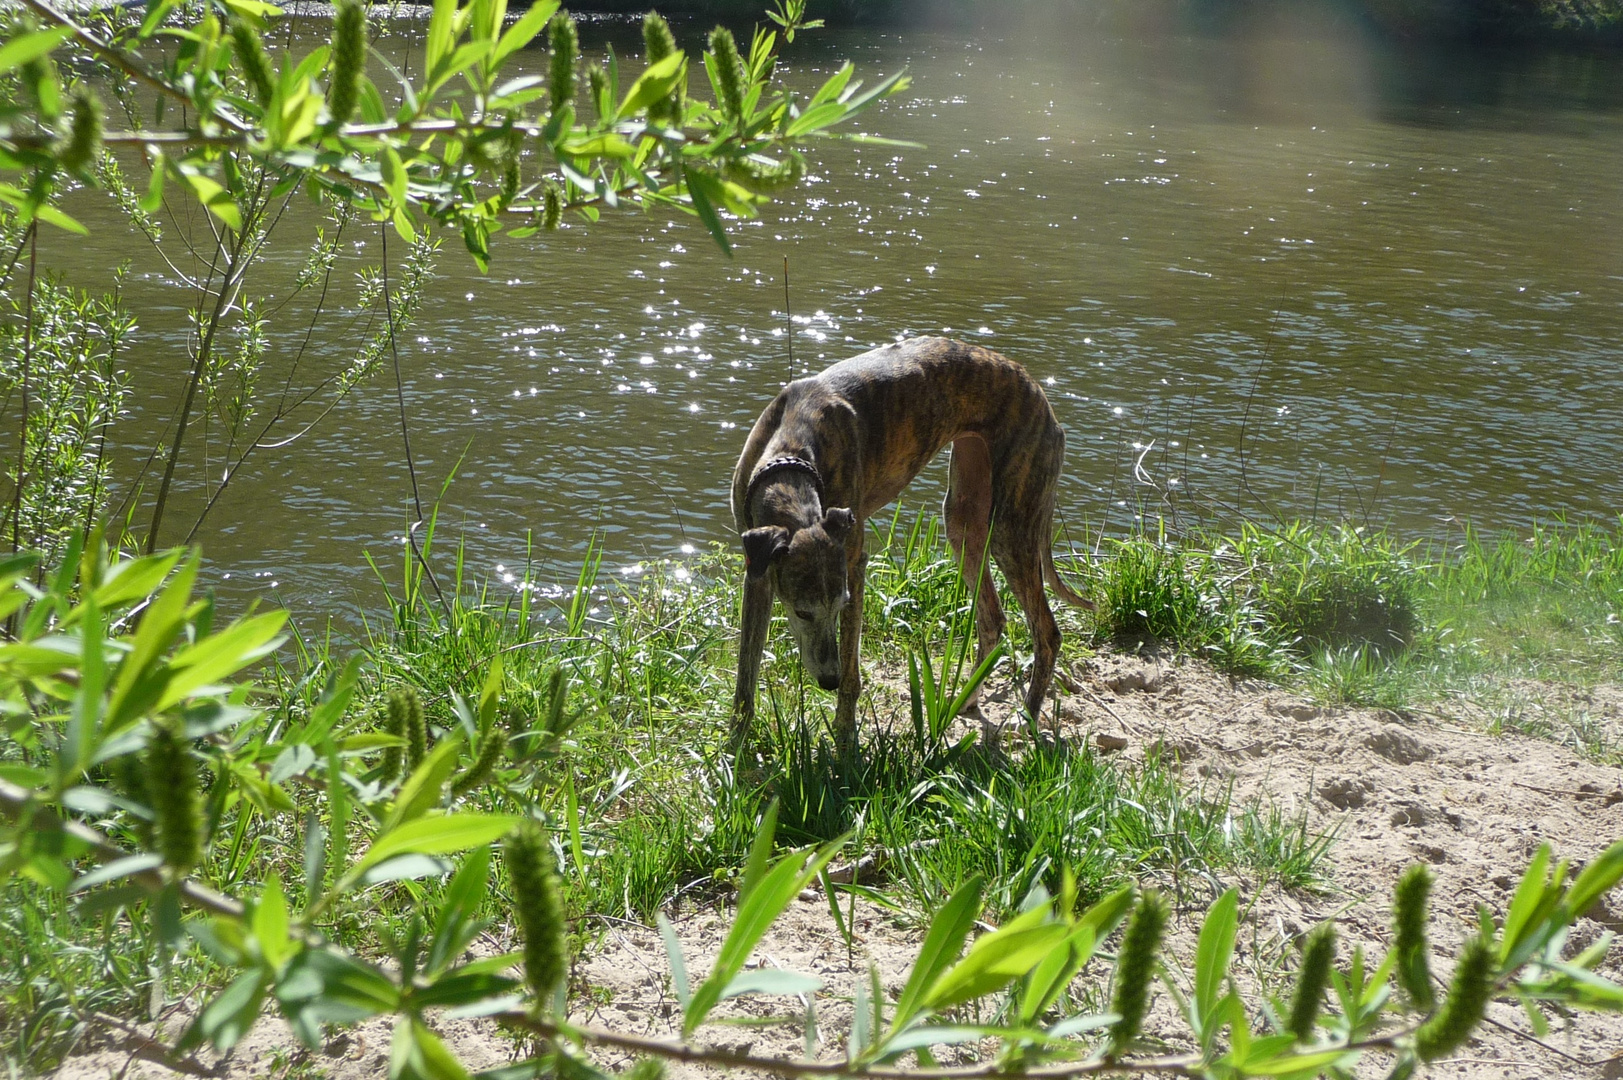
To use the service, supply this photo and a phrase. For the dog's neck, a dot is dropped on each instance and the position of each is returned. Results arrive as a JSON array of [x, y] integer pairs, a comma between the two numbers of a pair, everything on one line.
[[787, 497]]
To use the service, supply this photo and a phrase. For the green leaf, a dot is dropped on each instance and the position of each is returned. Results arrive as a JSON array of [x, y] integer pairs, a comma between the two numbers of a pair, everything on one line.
[[332, 704], [433, 1060], [135, 579], [705, 191], [652, 85], [19, 51], [394, 175], [491, 695], [52, 216], [998, 958], [1535, 897], [760, 902], [222, 654], [130, 864], [253, 10], [604, 144], [438, 835], [226, 1019], [1597, 878], [215, 198], [522, 32], [440, 32], [1213, 954], [270, 924], [424, 788], [816, 119], [139, 683], [942, 944], [673, 953], [771, 981], [1311, 1064]]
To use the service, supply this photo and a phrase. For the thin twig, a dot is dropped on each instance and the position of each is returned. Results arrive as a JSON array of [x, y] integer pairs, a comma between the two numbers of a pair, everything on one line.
[[405, 428], [22, 426]]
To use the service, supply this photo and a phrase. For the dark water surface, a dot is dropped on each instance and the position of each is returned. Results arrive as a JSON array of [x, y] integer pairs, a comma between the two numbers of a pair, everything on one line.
[[1399, 275]]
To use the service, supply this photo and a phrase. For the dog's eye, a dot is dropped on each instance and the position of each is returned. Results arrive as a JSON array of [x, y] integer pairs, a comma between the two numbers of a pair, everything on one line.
[[803, 616]]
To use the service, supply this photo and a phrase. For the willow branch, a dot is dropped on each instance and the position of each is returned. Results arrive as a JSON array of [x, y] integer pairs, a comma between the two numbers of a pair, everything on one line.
[[130, 65]]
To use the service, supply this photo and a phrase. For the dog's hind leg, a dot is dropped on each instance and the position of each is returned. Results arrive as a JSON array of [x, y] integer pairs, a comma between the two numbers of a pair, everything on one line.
[[1022, 566], [968, 513], [757, 617]]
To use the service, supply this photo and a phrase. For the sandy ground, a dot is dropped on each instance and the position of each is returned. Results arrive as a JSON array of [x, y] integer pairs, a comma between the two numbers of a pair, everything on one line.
[[1395, 789]]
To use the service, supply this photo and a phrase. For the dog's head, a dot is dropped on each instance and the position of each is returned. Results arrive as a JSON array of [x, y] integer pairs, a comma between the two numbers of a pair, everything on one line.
[[807, 570]]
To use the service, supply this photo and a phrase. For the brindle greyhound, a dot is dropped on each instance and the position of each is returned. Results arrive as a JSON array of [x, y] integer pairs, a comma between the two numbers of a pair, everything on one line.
[[833, 448]]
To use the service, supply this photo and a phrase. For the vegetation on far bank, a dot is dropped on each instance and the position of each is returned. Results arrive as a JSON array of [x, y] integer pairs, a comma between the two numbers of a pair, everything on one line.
[[1572, 22]]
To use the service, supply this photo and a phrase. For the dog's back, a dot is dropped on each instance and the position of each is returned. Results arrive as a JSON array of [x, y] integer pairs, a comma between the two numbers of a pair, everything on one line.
[[913, 398]]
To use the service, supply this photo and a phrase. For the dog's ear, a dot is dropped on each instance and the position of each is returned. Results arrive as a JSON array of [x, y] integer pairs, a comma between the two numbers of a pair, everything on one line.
[[837, 522], [762, 547]]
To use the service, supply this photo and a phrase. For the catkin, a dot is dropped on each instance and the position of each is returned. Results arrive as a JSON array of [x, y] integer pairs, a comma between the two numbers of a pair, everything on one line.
[[40, 74], [406, 718], [657, 37], [660, 43], [83, 143], [348, 58], [171, 787], [729, 69], [1318, 953], [552, 206], [1135, 968], [1467, 1000], [512, 159], [532, 873], [484, 763], [1413, 967], [565, 42], [394, 723], [129, 776], [256, 68], [598, 80]]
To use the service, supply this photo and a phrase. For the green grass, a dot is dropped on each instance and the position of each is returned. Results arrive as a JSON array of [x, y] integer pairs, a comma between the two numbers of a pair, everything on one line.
[[617, 689], [1358, 617]]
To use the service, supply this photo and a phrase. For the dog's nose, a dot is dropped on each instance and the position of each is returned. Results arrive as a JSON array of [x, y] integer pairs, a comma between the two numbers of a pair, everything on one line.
[[829, 682]]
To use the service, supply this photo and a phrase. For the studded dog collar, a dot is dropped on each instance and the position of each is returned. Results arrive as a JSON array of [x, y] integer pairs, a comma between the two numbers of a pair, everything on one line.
[[778, 464]]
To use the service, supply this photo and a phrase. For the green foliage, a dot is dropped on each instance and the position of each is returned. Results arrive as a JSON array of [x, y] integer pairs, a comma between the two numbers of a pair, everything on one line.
[[61, 356], [85, 687], [1334, 589]]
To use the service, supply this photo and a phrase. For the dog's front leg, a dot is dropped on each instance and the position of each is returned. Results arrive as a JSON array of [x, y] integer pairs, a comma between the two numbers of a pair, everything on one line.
[[845, 707], [753, 626]]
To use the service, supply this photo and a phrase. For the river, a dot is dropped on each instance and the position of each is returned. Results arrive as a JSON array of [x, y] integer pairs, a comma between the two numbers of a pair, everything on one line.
[[1268, 266]]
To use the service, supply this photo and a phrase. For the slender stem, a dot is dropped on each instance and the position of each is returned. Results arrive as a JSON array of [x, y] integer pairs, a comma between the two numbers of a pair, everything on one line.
[[237, 260], [788, 320], [1171, 1065], [28, 358], [405, 428]]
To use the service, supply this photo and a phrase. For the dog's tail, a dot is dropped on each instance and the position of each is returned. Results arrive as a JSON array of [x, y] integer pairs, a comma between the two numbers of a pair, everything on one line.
[[1062, 590]]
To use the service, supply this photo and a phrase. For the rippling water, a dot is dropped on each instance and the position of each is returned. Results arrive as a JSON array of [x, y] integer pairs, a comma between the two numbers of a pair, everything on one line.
[[1261, 267]]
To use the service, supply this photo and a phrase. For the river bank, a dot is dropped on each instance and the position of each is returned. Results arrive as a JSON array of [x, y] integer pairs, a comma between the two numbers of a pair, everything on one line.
[[1296, 712]]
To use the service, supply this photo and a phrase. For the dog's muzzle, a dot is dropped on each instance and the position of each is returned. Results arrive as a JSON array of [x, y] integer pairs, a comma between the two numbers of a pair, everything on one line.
[[829, 682]]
